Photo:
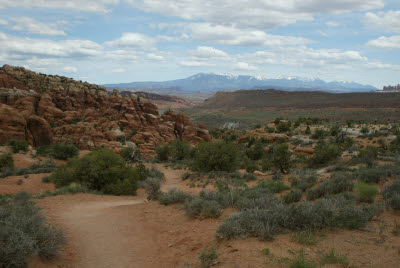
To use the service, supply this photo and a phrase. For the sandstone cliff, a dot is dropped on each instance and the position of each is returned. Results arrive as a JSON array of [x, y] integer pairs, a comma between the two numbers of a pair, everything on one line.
[[46, 109]]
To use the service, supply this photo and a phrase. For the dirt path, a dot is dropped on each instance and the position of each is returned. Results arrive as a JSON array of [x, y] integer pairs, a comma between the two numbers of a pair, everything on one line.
[[104, 231]]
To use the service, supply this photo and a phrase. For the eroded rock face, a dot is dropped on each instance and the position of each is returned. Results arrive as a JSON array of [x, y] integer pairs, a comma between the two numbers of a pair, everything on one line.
[[12, 124], [62, 110]]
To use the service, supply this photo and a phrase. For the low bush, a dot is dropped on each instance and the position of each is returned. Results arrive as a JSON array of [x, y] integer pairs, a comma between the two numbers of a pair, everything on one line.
[[256, 152], [130, 153], [365, 192], [46, 166], [216, 156], [378, 173], [18, 145], [319, 134], [197, 207], [152, 187], [292, 197], [180, 149], [303, 180], [64, 151], [173, 196], [208, 257], [337, 183], [249, 177], [25, 234], [368, 155], [162, 152], [326, 213], [333, 257], [325, 153], [273, 186], [186, 175], [251, 168], [391, 195], [6, 162], [100, 170]]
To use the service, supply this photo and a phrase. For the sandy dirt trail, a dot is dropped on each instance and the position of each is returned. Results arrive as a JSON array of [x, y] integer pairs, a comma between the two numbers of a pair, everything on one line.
[[105, 231]]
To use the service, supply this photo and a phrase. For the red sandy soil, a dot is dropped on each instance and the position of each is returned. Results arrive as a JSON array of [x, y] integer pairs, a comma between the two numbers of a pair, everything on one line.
[[32, 184], [112, 231]]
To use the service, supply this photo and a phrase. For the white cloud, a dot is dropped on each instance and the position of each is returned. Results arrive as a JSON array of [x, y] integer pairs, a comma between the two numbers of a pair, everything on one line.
[[87, 5], [332, 23], [382, 65], [133, 40], [195, 64], [118, 70], [228, 35], [3, 22], [244, 66], [322, 33], [33, 26], [48, 48], [70, 69], [209, 52], [388, 21], [383, 42], [152, 56], [257, 14]]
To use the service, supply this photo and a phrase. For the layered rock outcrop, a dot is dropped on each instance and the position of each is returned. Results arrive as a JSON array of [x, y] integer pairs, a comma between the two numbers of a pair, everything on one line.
[[52, 109]]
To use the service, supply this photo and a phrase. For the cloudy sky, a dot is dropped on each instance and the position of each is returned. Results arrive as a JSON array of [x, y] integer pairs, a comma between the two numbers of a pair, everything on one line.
[[109, 41]]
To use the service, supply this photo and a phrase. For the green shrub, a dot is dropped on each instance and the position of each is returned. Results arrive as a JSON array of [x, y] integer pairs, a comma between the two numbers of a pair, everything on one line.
[[303, 180], [251, 168], [366, 192], [216, 156], [391, 195], [324, 153], [273, 186], [76, 120], [100, 170], [334, 130], [249, 177], [300, 261], [64, 151], [152, 187], [173, 196], [180, 149], [333, 257], [6, 162], [283, 127], [319, 134], [378, 173], [196, 207], [130, 153], [281, 157], [18, 145], [256, 152], [162, 152], [44, 150], [365, 130], [305, 237], [186, 175], [36, 168], [337, 183], [208, 257], [368, 155], [25, 234], [292, 197], [326, 213], [46, 179]]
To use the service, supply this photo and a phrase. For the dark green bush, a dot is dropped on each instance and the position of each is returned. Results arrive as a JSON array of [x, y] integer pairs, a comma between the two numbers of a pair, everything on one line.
[[391, 195], [6, 162], [319, 134], [283, 127], [180, 149], [368, 155], [130, 153], [325, 153], [251, 168], [100, 170], [249, 177], [216, 156], [162, 152], [281, 157], [47, 166], [292, 197], [25, 234], [303, 181], [18, 145], [64, 151], [273, 186], [256, 152]]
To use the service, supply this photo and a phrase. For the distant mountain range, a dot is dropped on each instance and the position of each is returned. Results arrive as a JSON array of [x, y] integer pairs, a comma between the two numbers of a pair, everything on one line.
[[214, 82]]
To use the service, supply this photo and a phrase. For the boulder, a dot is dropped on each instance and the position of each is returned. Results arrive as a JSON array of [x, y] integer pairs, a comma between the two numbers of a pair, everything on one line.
[[40, 130], [12, 124]]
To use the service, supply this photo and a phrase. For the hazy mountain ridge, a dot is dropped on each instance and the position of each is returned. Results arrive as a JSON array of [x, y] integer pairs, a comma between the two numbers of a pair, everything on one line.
[[214, 81]]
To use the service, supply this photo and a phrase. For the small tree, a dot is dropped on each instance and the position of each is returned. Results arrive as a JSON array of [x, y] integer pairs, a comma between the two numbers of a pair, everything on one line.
[[325, 152], [64, 151], [6, 162], [368, 155], [281, 157], [162, 152]]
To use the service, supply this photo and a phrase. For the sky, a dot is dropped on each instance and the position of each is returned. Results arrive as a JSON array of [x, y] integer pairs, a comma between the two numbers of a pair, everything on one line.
[[115, 41]]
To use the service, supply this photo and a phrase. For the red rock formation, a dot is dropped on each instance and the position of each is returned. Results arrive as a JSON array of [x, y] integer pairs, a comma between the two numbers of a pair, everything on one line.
[[86, 115], [12, 124]]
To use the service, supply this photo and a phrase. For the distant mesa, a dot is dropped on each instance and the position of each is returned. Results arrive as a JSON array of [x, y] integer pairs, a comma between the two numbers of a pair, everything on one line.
[[218, 82]]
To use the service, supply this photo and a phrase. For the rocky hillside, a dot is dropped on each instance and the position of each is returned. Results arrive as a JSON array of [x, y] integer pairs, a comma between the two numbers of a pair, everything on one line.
[[45, 109], [162, 101], [301, 100]]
